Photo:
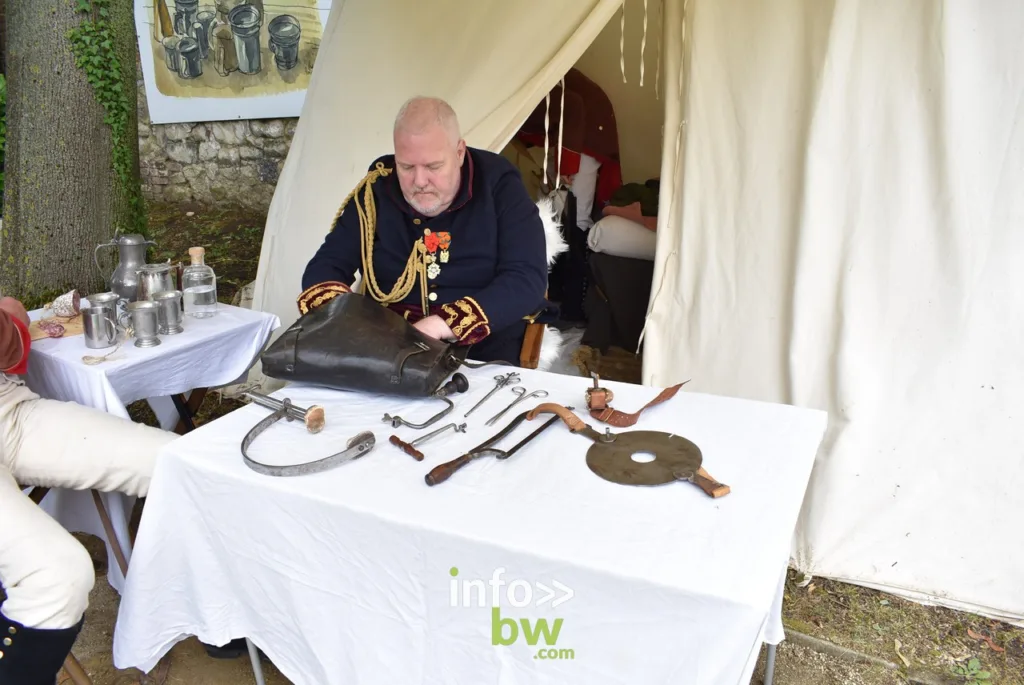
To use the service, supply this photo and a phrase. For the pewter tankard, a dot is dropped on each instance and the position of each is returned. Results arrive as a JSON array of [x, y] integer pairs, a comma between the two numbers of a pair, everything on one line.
[[99, 329], [145, 323], [169, 315]]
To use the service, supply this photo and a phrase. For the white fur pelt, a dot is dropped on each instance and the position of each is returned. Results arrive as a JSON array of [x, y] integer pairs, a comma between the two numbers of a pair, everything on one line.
[[551, 344], [552, 229], [550, 348]]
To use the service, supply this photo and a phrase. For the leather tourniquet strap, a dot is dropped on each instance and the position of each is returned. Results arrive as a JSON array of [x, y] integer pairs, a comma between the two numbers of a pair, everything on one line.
[[622, 419]]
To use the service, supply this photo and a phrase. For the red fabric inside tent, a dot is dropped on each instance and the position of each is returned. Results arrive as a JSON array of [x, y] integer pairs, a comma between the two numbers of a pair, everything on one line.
[[588, 127]]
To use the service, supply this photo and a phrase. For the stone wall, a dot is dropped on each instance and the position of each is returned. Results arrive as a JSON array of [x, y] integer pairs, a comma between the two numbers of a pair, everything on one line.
[[222, 164]]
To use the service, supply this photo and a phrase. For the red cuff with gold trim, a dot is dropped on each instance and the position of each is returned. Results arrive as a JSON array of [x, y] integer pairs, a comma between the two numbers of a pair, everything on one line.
[[467, 320], [21, 366], [315, 295]]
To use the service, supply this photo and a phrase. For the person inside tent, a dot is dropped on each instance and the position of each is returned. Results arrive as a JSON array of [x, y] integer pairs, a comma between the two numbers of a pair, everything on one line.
[[45, 573], [456, 244]]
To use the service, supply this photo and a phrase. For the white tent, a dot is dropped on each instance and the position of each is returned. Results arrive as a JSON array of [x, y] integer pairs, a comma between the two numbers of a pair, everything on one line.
[[837, 230]]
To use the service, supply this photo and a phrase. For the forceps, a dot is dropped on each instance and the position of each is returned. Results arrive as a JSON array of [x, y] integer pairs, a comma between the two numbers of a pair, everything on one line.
[[500, 382], [521, 391]]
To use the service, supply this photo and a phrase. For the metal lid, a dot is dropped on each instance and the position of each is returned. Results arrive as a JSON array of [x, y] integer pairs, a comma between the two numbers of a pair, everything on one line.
[[156, 268], [131, 239]]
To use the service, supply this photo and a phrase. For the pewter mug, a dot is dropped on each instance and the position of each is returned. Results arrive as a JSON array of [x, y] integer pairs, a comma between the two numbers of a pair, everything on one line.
[[285, 32], [131, 255], [106, 301], [245, 22], [99, 328], [145, 322], [169, 315], [185, 15], [190, 58], [203, 29]]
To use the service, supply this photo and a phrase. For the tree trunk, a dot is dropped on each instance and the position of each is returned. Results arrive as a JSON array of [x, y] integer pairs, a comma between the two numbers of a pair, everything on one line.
[[63, 194]]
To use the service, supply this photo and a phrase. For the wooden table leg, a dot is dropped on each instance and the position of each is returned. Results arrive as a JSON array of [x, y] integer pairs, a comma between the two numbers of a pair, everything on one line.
[[122, 560], [75, 670], [37, 494], [187, 409]]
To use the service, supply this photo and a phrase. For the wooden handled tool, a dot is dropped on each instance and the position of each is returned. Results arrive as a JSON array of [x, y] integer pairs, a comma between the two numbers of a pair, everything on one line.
[[440, 474], [410, 447]]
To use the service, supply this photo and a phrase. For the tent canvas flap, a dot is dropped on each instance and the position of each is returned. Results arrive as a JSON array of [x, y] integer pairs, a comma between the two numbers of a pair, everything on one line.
[[845, 238]]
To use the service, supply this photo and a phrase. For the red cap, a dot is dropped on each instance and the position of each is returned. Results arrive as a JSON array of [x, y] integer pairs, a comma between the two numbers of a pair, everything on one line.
[[26, 343]]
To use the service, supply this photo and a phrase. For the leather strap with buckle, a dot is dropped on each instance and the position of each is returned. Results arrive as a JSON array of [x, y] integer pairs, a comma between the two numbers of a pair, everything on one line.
[[599, 400]]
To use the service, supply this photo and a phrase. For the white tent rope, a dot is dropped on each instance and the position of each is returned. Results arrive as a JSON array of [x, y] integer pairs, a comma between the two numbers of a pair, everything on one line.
[[682, 71], [561, 123], [547, 140], [643, 46], [622, 42], [657, 68], [683, 46], [547, 114]]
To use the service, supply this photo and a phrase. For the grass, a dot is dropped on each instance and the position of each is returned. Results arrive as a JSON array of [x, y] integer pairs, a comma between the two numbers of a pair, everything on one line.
[[871, 622], [232, 239], [933, 638]]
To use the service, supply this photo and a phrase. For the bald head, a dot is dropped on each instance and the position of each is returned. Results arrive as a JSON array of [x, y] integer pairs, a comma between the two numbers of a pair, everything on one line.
[[418, 115], [429, 152]]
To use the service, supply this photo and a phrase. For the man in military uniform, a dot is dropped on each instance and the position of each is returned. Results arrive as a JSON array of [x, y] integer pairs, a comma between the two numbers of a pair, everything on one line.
[[444, 234]]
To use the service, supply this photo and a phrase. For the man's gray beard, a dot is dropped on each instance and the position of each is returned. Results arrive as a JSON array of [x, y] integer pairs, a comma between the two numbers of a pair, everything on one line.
[[432, 210]]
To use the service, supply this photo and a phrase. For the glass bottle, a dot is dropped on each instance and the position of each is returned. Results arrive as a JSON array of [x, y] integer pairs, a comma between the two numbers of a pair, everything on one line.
[[199, 286]]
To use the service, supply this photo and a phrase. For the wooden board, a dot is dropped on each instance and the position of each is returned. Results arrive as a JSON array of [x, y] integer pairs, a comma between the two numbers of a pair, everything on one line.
[[72, 327]]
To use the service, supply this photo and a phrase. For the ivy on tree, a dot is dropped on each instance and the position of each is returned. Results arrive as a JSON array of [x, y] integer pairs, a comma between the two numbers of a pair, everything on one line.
[[92, 44]]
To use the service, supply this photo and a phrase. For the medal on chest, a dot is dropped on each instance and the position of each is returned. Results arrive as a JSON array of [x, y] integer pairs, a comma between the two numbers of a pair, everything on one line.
[[437, 245]]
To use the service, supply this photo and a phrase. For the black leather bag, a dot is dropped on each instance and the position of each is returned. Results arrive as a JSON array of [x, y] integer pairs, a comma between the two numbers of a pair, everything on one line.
[[351, 342]]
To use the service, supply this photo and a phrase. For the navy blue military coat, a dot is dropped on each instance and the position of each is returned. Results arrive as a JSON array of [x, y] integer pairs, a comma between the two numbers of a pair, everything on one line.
[[485, 256]]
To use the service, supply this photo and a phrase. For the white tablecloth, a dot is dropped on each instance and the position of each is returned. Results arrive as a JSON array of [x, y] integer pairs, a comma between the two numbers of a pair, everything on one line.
[[208, 353], [344, 576]]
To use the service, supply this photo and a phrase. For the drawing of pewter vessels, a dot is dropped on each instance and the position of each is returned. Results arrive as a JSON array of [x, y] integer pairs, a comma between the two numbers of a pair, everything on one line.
[[227, 33]]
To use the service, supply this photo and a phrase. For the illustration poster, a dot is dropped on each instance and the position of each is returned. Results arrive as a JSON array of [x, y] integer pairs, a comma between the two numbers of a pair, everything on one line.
[[215, 60]]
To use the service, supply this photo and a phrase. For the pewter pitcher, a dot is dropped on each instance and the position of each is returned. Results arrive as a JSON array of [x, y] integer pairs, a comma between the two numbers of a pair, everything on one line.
[[154, 278], [131, 256]]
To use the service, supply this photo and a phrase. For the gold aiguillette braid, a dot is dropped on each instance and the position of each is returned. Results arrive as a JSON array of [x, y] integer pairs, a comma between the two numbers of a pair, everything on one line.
[[416, 266]]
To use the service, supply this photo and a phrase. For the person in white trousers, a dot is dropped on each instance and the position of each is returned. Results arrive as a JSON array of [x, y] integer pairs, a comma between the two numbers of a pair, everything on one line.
[[45, 573]]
